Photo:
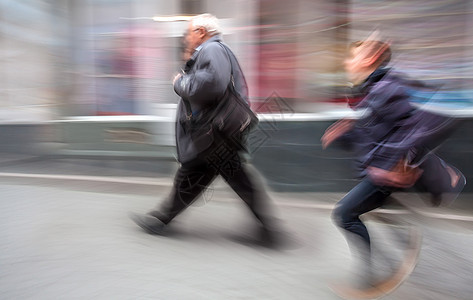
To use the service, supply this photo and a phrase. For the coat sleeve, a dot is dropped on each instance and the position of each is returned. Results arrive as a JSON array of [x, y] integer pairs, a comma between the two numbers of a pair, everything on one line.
[[209, 78]]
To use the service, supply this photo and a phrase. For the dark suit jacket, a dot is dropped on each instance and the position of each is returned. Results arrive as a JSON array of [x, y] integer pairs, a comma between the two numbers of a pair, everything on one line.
[[207, 76]]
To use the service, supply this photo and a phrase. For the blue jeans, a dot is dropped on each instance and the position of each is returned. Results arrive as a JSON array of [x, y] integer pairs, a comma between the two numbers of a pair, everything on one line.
[[361, 199]]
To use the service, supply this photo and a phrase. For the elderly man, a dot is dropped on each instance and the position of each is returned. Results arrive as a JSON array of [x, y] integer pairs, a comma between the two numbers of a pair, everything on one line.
[[202, 85]]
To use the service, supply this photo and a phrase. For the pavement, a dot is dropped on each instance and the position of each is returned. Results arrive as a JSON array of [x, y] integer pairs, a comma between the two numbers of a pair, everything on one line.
[[65, 234]]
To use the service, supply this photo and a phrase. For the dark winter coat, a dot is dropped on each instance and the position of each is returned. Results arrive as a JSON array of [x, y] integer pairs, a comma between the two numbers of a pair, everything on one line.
[[206, 78]]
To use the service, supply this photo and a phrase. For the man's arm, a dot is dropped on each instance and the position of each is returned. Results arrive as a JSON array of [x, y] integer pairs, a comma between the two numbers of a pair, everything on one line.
[[208, 82]]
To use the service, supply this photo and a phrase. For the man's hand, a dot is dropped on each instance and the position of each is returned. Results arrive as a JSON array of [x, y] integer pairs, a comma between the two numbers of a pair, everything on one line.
[[176, 78], [335, 131]]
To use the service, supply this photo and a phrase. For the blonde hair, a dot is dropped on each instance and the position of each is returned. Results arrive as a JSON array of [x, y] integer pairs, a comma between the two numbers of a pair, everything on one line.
[[207, 21], [381, 51]]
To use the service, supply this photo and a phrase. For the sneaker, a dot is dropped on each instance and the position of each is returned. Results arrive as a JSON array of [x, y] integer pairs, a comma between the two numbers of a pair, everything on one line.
[[149, 223], [269, 238], [367, 288], [458, 182], [408, 264], [346, 291]]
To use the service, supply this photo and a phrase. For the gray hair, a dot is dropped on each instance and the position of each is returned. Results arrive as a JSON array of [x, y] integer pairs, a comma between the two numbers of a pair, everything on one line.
[[207, 21]]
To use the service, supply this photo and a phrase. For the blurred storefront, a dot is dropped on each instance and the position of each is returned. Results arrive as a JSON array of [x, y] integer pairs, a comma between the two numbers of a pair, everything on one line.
[[30, 44], [127, 51], [92, 78], [114, 57]]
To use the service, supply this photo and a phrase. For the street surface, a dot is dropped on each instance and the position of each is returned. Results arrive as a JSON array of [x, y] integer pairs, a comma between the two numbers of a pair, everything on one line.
[[70, 238]]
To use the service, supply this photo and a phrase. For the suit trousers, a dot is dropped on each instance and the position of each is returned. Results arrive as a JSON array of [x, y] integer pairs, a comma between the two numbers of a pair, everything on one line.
[[194, 177]]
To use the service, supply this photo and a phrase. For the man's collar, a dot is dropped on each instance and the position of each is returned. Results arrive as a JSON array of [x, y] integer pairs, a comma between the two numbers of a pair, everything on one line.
[[215, 38]]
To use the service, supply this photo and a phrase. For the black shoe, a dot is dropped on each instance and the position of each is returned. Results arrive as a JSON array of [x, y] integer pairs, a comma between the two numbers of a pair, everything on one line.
[[149, 223], [268, 238], [275, 239]]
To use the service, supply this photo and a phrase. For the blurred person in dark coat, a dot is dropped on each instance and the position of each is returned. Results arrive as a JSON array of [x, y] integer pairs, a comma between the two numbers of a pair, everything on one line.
[[201, 86], [393, 142]]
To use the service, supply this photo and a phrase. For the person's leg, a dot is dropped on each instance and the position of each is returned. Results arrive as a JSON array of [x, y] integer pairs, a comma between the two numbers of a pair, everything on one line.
[[361, 199], [249, 188], [189, 183], [247, 184]]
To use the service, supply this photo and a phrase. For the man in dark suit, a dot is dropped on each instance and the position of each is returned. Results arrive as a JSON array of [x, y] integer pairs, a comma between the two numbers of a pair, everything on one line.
[[201, 86]]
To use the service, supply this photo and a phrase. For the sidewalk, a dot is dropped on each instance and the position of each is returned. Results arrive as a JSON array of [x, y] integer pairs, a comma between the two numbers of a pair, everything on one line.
[[74, 242], [70, 238]]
